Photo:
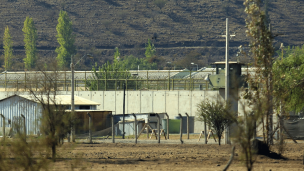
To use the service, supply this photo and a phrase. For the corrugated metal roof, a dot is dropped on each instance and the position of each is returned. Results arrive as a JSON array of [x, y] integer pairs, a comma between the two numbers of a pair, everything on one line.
[[82, 110], [60, 99]]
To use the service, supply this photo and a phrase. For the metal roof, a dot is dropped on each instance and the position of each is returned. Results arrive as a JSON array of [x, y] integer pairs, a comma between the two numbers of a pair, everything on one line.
[[155, 74], [89, 110], [58, 99], [230, 62], [201, 73]]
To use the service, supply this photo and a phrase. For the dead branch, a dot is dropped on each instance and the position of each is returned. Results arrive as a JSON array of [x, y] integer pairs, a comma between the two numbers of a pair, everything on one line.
[[230, 160]]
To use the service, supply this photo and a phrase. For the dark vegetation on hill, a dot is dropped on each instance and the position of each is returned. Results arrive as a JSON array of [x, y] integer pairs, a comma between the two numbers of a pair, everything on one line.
[[183, 27]]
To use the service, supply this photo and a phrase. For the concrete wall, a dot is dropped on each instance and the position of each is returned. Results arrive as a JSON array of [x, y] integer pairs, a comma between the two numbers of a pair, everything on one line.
[[171, 102]]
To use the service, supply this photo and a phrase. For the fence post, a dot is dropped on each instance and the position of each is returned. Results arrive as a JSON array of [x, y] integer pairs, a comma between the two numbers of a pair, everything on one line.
[[5, 84], [169, 80], [147, 127], [148, 79], [172, 84], [135, 127], [115, 86], [205, 130], [75, 84], [123, 110], [187, 126], [85, 80], [167, 125], [90, 130], [24, 127], [65, 88], [113, 130], [190, 82], [105, 80], [158, 128], [136, 82], [24, 80], [181, 128], [3, 126], [97, 84]]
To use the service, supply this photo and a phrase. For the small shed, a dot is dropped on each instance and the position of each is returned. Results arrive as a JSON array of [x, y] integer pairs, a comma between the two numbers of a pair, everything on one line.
[[13, 106], [141, 118], [101, 120]]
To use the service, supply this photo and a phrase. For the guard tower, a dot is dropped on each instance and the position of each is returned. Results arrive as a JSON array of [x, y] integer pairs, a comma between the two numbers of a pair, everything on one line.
[[235, 75], [236, 80]]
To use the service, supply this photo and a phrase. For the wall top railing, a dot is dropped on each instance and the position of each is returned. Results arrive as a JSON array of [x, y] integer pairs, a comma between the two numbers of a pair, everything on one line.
[[138, 74], [113, 80]]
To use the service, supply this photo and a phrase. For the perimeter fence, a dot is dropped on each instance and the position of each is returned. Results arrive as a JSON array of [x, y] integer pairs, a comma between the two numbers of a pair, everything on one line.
[[109, 81], [154, 126]]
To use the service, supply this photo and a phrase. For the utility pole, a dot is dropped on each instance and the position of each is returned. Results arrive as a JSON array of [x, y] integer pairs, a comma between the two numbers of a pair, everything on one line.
[[269, 137], [281, 108], [123, 105], [72, 99], [227, 74]]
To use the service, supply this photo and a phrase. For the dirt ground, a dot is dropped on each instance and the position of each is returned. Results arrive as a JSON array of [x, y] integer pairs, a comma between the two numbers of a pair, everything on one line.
[[135, 157]]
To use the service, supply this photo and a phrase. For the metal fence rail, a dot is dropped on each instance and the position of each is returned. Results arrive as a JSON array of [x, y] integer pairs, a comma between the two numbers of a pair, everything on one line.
[[108, 81]]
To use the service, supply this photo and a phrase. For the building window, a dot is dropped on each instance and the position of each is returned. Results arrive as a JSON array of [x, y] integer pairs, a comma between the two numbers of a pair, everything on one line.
[[84, 107]]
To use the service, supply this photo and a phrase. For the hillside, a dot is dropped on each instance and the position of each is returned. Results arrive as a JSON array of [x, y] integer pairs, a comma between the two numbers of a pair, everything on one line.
[[181, 25]]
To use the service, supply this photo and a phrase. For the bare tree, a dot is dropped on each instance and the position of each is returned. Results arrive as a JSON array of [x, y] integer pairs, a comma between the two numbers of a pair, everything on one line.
[[246, 130], [257, 104], [262, 52], [54, 121], [214, 114]]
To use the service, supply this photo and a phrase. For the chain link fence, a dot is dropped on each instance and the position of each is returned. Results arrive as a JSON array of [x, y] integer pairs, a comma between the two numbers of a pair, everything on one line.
[[109, 81]]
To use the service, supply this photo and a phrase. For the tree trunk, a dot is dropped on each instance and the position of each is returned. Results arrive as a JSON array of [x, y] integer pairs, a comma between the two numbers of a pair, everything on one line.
[[263, 129], [219, 139], [219, 136], [54, 152]]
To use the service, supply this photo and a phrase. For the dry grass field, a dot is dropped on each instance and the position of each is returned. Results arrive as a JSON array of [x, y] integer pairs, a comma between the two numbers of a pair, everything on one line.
[[122, 156]]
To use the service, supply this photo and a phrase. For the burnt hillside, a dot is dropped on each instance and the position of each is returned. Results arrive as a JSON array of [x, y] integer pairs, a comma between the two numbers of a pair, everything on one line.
[[181, 25]]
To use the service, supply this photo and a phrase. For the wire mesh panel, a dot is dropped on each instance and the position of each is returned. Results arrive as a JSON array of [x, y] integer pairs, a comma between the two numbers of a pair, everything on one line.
[[100, 125]]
